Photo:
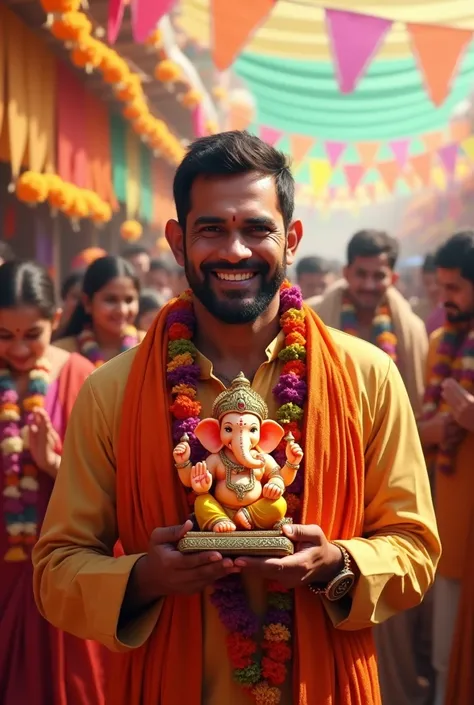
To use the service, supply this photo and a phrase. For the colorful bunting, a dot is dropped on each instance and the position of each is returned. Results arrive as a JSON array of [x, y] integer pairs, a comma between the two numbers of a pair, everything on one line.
[[448, 156], [432, 141], [438, 51], [146, 14], [400, 149], [354, 174], [233, 25], [421, 164], [368, 152], [460, 130], [300, 146], [270, 135], [468, 148], [389, 171], [355, 40], [114, 20], [320, 171], [335, 150]]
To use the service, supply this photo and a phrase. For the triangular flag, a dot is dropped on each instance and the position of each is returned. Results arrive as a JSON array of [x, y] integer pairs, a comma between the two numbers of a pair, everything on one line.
[[335, 150], [432, 141], [460, 130], [233, 25], [354, 40], [199, 121], [270, 135], [320, 175], [400, 149], [114, 19], [367, 152], [389, 171], [354, 174], [438, 177], [422, 167], [300, 145], [468, 148], [146, 14], [448, 156], [438, 51]]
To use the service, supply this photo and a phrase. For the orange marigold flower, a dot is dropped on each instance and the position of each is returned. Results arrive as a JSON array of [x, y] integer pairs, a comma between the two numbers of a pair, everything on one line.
[[183, 407], [293, 314], [277, 650], [292, 326], [30, 470], [295, 338], [12, 480], [387, 337], [265, 695], [33, 402], [178, 331], [274, 672], [294, 367], [286, 285], [180, 360], [276, 632], [184, 389]]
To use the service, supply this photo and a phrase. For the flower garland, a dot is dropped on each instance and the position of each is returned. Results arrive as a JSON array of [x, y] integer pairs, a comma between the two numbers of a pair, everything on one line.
[[88, 346], [20, 493], [454, 358], [383, 335], [262, 675]]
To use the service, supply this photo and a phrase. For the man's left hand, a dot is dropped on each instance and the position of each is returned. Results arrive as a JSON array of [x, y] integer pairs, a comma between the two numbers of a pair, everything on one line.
[[461, 403], [315, 559]]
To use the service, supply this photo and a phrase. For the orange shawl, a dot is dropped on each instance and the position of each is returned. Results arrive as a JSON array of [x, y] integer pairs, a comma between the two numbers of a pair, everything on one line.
[[331, 667]]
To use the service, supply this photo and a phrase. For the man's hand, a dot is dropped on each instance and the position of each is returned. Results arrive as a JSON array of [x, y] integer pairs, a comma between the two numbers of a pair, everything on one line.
[[441, 428], [461, 403], [165, 571], [314, 560]]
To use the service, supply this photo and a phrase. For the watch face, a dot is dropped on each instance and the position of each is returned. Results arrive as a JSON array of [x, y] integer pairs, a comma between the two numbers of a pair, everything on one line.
[[340, 586]]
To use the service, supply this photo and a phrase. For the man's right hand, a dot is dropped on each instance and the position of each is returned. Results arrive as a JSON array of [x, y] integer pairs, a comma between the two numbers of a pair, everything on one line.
[[165, 571], [441, 428]]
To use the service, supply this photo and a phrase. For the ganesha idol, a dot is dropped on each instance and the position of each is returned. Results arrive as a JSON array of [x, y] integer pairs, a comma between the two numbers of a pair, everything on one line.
[[239, 487]]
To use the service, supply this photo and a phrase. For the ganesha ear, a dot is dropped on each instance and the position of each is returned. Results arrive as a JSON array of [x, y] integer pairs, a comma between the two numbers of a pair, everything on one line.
[[271, 434], [209, 433]]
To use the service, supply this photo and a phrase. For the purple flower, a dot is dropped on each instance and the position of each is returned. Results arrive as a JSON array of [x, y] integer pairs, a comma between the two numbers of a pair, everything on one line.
[[182, 426], [11, 464], [290, 298], [12, 506], [185, 374], [290, 389], [8, 396], [276, 616], [181, 315], [29, 496], [280, 457], [9, 429]]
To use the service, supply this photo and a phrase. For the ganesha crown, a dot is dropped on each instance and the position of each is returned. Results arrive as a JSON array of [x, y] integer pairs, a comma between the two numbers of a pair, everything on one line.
[[240, 398]]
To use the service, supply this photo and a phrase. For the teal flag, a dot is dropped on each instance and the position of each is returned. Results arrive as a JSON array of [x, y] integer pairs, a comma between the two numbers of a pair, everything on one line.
[[118, 138], [146, 189]]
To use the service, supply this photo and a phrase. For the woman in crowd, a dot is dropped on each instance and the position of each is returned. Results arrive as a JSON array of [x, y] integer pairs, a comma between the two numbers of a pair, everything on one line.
[[71, 289], [150, 303], [102, 325], [38, 386]]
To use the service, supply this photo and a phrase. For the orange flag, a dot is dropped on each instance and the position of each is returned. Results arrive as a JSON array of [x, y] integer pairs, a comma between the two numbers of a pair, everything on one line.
[[432, 141], [300, 146], [438, 51], [367, 152], [389, 171], [422, 167], [233, 25], [460, 130]]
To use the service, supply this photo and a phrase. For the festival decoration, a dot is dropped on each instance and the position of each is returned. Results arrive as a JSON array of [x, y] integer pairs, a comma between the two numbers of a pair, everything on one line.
[[145, 17], [167, 71], [131, 230], [154, 40], [57, 8], [191, 98], [71, 27], [88, 54], [31, 188], [89, 347]]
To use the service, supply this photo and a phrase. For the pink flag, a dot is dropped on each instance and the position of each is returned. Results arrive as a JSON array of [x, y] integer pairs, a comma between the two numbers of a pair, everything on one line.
[[335, 150], [114, 20], [199, 121], [354, 39], [270, 135], [354, 174], [449, 156], [146, 14], [400, 149]]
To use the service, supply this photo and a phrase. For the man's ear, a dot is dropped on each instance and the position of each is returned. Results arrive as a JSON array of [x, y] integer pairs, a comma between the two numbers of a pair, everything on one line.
[[293, 239], [175, 236]]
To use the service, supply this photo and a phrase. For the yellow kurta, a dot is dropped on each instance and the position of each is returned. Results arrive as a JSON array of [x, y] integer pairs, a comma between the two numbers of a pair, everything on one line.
[[80, 587], [454, 498]]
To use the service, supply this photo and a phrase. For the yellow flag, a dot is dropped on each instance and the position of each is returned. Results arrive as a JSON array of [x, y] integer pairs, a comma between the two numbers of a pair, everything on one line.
[[321, 172], [468, 147], [439, 177]]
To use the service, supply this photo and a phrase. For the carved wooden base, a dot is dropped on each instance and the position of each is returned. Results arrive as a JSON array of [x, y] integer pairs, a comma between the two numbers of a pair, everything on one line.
[[238, 543]]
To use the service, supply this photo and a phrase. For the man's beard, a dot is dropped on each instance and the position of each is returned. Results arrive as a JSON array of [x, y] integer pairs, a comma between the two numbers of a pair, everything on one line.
[[455, 315], [234, 309]]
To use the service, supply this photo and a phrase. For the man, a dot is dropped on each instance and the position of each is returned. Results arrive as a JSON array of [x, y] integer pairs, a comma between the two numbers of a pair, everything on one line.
[[139, 258], [447, 432], [160, 277], [188, 627], [366, 304], [312, 276], [429, 308]]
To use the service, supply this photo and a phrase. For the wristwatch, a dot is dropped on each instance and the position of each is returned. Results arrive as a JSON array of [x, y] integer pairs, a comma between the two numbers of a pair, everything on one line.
[[341, 585]]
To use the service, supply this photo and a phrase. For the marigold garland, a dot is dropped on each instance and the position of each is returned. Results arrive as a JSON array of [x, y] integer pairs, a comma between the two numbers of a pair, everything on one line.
[[383, 335], [454, 358], [261, 676], [89, 348]]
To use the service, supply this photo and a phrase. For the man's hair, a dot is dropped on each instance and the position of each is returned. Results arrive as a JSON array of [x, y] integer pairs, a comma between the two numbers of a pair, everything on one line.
[[157, 264], [312, 265], [372, 243], [6, 252], [229, 154], [458, 253], [429, 264], [133, 251]]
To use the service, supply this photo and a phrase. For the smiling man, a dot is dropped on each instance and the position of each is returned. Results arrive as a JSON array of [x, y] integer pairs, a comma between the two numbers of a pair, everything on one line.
[[192, 628]]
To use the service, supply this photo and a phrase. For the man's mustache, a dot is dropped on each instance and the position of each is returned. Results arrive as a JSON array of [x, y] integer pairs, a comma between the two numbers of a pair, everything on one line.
[[452, 307]]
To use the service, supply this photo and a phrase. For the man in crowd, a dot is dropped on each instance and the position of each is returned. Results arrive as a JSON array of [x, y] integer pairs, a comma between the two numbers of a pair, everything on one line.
[[139, 258], [447, 432], [366, 304], [160, 277], [429, 308], [188, 626], [312, 276]]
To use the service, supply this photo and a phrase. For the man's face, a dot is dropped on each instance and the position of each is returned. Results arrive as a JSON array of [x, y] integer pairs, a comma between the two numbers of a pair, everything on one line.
[[368, 279], [141, 264], [457, 295], [158, 279], [431, 287], [235, 250], [313, 283]]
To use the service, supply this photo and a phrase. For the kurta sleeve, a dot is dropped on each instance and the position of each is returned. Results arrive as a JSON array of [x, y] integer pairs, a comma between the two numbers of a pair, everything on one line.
[[79, 586], [400, 547]]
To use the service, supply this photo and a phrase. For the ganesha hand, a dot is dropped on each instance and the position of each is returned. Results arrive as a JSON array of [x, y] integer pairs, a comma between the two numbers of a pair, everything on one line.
[[272, 490], [201, 478], [294, 453], [182, 453]]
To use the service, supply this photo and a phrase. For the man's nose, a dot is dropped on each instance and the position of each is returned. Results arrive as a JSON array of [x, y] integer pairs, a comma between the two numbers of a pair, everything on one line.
[[235, 249]]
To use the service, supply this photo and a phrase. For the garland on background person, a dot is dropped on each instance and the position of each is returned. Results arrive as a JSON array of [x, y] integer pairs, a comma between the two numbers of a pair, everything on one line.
[[455, 359], [383, 335], [89, 347], [20, 492], [261, 676]]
